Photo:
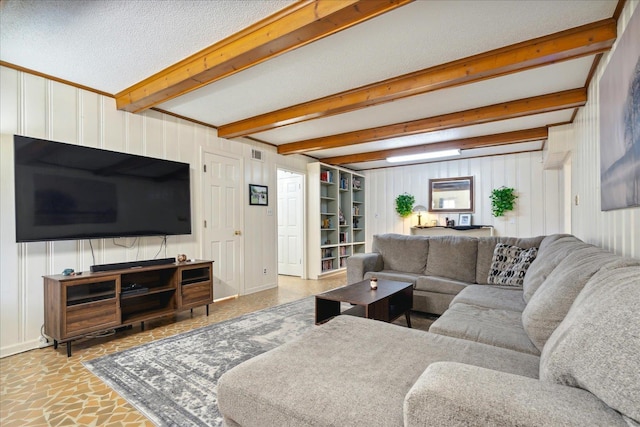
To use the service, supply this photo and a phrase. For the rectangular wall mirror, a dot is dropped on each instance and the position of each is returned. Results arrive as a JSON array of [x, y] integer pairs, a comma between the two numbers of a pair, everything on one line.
[[451, 194]]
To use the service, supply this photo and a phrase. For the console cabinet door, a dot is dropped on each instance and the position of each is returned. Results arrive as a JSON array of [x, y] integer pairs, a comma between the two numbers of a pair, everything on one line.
[[90, 305], [196, 286]]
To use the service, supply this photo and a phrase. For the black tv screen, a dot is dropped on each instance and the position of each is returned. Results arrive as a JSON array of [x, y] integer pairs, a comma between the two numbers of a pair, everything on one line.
[[65, 191]]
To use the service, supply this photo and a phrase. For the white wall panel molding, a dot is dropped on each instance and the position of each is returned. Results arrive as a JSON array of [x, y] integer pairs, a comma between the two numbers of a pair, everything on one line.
[[34, 106], [619, 230], [537, 212]]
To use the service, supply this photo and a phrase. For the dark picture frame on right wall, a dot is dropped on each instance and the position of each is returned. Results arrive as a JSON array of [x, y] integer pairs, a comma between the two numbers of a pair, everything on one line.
[[619, 109]]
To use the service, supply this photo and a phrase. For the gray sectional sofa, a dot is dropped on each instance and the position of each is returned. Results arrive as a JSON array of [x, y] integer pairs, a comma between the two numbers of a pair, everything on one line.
[[562, 350], [439, 267]]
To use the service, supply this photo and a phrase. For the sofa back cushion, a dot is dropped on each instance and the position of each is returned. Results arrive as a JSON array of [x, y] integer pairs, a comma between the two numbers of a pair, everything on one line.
[[454, 257], [401, 252], [597, 345], [552, 301], [552, 250], [486, 247]]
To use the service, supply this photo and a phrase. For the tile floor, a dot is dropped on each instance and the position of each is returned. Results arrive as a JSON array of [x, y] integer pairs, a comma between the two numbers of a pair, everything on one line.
[[43, 387]]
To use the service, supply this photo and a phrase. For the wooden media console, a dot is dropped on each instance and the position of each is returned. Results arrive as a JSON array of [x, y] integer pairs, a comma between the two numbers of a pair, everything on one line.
[[86, 303]]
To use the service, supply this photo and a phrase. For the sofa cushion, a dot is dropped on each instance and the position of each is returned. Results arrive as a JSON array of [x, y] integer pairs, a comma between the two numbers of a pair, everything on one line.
[[486, 246], [509, 264], [398, 276], [551, 302], [503, 298], [456, 394], [453, 257], [552, 250], [402, 253], [597, 346], [440, 285], [348, 372], [500, 328]]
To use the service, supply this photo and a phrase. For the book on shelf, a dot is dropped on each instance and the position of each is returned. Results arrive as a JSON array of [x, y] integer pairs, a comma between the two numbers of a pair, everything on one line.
[[344, 238], [344, 183], [327, 265], [326, 176]]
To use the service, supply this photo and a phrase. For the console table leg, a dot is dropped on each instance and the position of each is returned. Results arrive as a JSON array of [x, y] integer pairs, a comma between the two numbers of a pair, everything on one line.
[[55, 344], [207, 309], [68, 348], [142, 326], [408, 317]]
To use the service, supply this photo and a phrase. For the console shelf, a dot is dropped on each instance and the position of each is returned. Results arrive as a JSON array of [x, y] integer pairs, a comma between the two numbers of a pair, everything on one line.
[[76, 306]]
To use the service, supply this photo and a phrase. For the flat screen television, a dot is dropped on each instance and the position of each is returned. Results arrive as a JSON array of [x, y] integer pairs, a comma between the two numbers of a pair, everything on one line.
[[70, 192]]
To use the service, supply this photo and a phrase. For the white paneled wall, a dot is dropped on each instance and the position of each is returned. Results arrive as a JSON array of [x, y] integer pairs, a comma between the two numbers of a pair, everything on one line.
[[619, 230], [41, 108], [538, 207]]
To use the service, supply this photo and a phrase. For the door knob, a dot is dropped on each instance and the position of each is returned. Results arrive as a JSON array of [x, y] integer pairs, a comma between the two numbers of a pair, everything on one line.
[[237, 232]]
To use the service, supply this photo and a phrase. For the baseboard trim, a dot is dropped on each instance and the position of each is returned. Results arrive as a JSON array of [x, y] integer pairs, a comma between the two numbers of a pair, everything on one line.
[[10, 350]]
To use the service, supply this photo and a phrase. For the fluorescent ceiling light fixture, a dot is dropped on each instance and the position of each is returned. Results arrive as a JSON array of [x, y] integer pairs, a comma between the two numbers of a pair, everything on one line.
[[423, 156]]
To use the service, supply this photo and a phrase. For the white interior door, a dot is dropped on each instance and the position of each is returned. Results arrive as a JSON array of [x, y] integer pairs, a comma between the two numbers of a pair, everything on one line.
[[223, 223], [290, 241]]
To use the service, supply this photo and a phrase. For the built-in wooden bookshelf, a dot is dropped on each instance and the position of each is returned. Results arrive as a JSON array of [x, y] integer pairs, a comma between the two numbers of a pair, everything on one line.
[[336, 224]]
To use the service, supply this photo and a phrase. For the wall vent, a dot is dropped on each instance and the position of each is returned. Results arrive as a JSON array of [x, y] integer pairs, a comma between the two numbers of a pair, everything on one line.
[[256, 154]]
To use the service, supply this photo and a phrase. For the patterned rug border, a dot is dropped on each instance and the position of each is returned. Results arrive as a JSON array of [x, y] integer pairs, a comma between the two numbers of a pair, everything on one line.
[[136, 397]]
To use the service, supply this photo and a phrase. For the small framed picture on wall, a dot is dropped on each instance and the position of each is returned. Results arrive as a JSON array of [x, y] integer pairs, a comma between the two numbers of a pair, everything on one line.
[[258, 195], [464, 219]]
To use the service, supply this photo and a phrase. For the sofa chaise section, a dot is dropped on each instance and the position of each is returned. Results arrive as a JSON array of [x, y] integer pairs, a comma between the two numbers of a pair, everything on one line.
[[349, 371]]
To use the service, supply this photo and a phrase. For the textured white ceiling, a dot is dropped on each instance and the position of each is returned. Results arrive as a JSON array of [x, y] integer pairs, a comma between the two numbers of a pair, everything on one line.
[[502, 126], [110, 45], [416, 36], [553, 78]]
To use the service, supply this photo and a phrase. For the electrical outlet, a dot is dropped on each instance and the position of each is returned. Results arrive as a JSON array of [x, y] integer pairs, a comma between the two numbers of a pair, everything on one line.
[[264, 271]]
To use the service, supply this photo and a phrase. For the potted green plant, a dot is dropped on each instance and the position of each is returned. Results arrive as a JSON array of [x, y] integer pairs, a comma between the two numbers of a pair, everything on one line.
[[404, 204], [502, 200]]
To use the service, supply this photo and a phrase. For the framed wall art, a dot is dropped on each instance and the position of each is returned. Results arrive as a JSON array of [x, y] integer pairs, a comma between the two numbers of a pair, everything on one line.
[[258, 195], [620, 123]]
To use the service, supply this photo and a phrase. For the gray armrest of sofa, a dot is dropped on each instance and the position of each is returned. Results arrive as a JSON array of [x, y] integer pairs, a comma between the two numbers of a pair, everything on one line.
[[456, 394], [359, 264]]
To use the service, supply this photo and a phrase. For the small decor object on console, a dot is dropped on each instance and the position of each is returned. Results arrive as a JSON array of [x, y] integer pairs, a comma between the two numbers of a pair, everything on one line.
[[464, 220], [373, 282], [181, 257], [509, 264]]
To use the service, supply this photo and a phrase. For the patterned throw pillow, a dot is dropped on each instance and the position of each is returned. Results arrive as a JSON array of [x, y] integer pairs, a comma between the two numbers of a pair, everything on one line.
[[509, 264]]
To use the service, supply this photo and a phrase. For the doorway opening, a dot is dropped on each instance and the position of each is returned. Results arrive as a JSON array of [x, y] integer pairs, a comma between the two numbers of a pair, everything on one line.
[[291, 223]]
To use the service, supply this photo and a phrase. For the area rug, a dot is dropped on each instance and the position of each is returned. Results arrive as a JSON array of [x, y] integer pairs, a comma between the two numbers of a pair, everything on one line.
[[173, 381]]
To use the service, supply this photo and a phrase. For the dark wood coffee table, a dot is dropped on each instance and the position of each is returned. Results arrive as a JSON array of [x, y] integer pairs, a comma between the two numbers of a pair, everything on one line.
[[390, 301]]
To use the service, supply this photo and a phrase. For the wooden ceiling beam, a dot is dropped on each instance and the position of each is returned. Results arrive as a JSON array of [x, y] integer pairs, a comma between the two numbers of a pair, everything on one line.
[[515, 137], [585, 40], [297, 25], [506, 110]]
